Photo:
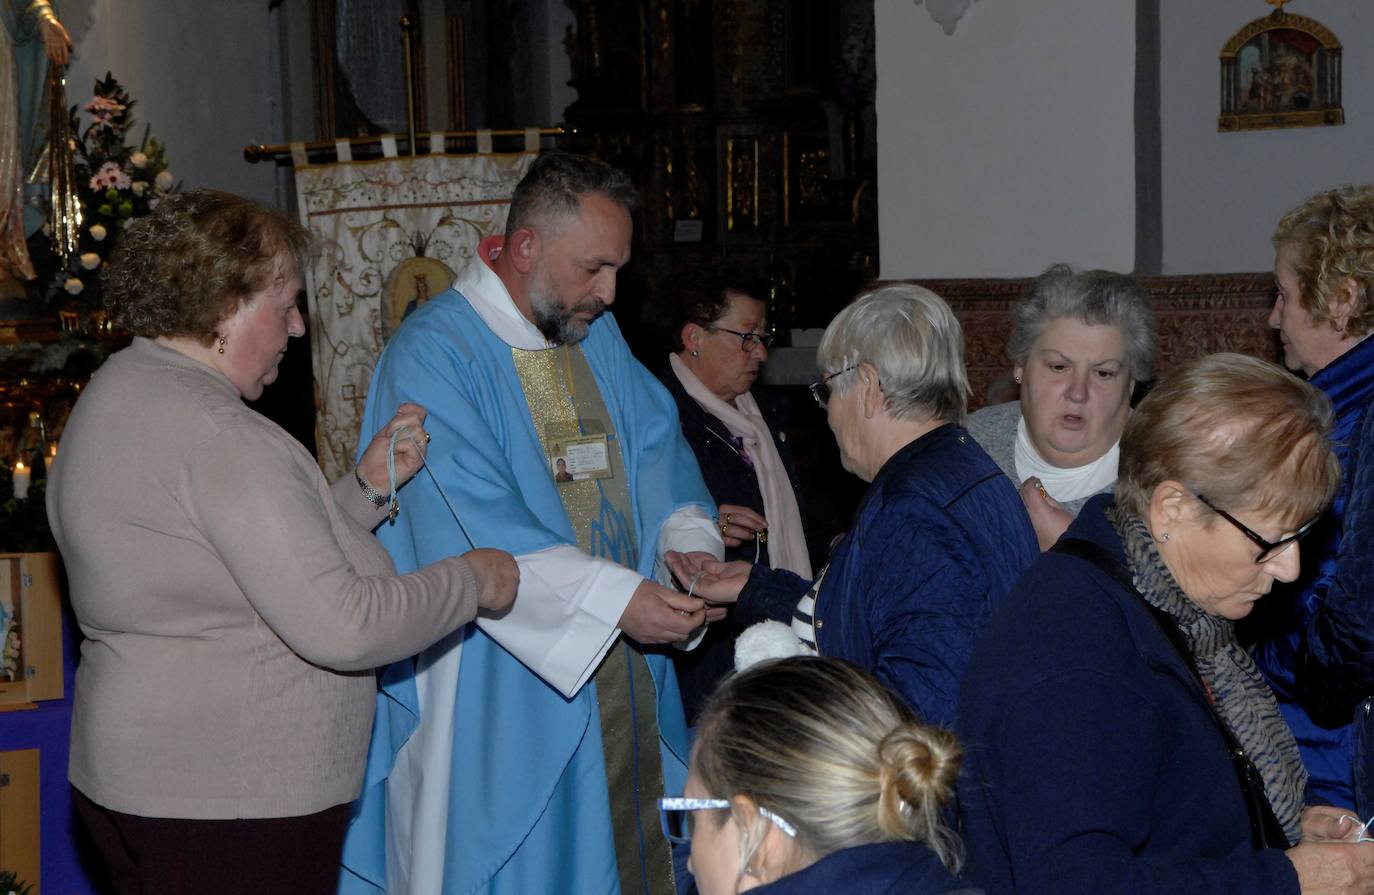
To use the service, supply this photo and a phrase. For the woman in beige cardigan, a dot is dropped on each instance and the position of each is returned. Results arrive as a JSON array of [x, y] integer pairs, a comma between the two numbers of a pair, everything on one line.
[[234, 603]]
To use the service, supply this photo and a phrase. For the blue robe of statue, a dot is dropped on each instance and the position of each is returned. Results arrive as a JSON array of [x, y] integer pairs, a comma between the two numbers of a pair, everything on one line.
[[527, 807]]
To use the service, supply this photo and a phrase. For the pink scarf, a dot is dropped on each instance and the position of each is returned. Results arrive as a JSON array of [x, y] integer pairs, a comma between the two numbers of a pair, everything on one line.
[[786, 540]]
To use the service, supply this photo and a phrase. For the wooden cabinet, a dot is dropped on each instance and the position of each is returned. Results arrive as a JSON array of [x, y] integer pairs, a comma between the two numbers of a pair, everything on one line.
[[31, 614], [19, 815], [748, 126]]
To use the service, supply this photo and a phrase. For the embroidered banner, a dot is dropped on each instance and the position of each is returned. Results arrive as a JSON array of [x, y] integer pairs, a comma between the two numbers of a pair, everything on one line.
[[393, 233]]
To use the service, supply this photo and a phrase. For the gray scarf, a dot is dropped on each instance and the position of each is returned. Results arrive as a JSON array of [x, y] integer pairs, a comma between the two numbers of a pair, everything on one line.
[[1240, 696]]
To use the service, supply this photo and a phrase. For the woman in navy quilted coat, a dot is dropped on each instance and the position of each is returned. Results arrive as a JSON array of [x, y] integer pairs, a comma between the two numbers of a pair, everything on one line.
[[940, 534]]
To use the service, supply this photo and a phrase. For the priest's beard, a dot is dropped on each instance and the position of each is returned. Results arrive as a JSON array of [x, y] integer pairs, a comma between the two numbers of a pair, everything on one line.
[[559, 324]]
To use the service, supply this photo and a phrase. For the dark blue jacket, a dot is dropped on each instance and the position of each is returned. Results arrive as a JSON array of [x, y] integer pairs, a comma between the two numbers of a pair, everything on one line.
[[1316, 634], [886, 868], [938, 538], [1093, 762], [730, 480]]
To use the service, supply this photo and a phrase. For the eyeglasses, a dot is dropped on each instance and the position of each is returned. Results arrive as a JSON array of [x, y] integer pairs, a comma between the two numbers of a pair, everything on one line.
[[747, 341], [676, 816], [821, 390], [1268, 549]]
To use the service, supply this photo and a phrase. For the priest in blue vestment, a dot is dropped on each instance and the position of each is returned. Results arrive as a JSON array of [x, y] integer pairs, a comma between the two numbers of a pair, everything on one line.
[[524, 754]]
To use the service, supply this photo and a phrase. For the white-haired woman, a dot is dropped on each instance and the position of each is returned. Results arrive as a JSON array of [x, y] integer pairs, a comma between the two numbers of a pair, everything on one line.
[[1079, 343], [939, 536], [809, 776]]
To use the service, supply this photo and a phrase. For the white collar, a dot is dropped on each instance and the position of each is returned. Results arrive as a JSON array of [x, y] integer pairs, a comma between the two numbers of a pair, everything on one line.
[[1061, 483], [490, 298]]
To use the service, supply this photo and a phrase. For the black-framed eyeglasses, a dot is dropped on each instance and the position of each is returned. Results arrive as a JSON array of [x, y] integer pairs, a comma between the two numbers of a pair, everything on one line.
[[821, 390], [747, 341], [1268, 549]]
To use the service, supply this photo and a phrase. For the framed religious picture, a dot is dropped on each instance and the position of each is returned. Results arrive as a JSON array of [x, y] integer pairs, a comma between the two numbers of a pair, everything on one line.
[[1283, 70]]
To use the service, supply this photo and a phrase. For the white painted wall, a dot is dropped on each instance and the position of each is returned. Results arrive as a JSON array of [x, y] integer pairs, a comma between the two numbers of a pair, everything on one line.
[[1223, 193], [1010, 144], [205, 76]]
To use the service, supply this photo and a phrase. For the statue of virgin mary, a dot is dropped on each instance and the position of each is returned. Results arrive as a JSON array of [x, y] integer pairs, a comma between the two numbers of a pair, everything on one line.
[[32, 39]]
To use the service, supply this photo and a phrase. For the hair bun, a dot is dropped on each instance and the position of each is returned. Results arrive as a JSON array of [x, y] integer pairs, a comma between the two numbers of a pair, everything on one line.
[[918, 766]]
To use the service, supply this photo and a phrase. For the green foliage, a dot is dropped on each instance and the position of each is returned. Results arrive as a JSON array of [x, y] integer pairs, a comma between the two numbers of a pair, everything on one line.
[[11, 884]]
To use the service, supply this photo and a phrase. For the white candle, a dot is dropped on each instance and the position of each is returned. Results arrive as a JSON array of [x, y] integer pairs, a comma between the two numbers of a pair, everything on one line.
[[21, 480], [51, 456]]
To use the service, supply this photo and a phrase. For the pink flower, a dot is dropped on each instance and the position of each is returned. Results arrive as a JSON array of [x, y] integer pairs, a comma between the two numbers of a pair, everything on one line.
[[102, 109], [110, 175]]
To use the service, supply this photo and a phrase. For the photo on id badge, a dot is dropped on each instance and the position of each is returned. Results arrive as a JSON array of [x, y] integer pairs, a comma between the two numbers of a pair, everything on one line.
[[578, 458]]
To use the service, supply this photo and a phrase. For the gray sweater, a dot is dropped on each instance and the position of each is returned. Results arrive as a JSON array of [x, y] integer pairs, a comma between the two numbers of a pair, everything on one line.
[[234, 603]]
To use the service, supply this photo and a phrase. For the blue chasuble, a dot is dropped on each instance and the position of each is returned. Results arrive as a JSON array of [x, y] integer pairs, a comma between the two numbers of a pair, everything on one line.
[[528, 809]]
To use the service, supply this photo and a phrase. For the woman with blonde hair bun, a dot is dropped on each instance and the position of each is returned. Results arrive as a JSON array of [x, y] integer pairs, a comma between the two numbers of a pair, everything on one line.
[[810, 776]]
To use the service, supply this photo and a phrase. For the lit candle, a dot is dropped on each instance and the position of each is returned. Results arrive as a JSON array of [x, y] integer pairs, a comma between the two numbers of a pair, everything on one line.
[[21, 480], [51, 456]]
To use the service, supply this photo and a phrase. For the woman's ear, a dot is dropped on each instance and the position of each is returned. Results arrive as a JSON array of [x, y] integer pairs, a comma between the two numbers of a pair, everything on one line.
[[870, 390], [1344, 301], [691, 337], [768, 854], [1170, 503]]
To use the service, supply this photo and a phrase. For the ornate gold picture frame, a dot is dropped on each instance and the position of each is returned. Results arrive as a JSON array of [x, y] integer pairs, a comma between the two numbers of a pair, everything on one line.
[[1282, 70]]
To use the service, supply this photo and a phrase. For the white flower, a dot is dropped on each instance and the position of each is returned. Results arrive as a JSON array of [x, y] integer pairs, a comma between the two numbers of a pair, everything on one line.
[[90, 260], [165, 180], [73, 286], [98, 233], [138, 160], [139, 187]]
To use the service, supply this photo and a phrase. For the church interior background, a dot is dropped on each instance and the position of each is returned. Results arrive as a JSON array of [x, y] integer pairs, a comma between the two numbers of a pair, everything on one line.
[[964, 145]]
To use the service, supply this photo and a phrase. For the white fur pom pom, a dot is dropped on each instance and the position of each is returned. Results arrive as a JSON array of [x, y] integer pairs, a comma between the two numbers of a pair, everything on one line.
[[768, 640]]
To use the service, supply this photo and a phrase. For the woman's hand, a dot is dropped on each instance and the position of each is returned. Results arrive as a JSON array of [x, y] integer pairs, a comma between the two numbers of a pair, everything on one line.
[[1048, 517], [739, 524], [57, 43], [1333, 868], [498, 578], [410, 449], [1329, 823], [710, 579]]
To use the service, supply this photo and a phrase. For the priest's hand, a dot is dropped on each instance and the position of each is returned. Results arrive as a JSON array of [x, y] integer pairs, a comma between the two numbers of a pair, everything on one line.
[[498, 578], [707, 577], [411, 447], [656, 614]]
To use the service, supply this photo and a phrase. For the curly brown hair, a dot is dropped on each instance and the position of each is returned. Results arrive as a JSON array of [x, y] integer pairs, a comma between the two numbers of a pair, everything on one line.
[[1333, 237], [188, 266]]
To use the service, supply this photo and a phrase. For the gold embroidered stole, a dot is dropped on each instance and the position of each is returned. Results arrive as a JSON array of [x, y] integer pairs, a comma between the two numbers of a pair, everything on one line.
[[565, 402]]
